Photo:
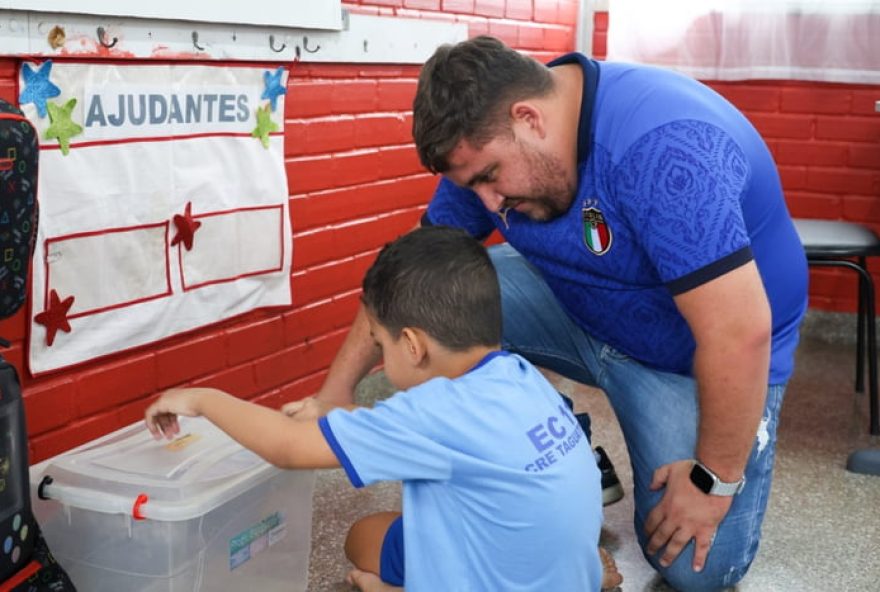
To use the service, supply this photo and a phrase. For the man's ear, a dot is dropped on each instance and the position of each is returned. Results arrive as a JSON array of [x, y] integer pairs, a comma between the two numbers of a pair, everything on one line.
[[526, 112], [416, 347]]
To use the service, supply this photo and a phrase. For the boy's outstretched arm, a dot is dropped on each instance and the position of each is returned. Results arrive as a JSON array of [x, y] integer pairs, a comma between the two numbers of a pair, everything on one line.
[[285, 442]]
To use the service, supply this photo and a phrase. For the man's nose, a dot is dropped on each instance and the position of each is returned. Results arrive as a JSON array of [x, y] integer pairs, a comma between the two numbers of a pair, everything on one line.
[[493, 200]]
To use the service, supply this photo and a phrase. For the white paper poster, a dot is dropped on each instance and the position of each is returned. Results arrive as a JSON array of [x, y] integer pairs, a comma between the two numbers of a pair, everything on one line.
[[163, 202]]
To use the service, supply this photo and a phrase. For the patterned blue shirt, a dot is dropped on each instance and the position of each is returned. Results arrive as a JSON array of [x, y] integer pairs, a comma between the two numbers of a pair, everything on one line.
[[675, 188]]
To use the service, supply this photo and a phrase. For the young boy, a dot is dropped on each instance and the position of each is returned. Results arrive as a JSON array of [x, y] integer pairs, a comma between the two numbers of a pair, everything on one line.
[[500, 487]]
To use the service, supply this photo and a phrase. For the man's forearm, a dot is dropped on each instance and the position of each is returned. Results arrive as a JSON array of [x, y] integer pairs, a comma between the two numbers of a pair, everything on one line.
[[732, 325], [357, 356], [732, 385]]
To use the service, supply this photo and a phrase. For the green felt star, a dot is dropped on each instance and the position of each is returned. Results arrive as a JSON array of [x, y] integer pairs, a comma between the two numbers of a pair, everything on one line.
[[62, 127], [265, 125]]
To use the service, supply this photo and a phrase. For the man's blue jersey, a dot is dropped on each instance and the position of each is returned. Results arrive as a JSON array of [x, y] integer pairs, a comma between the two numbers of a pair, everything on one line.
[[675, 188]]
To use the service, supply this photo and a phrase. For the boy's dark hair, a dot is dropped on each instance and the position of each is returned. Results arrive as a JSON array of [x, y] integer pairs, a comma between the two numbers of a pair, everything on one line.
[[465, 91], [438, 279]]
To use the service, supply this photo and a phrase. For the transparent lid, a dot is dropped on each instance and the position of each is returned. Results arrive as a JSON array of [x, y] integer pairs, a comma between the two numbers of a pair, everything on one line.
[[200, 463]]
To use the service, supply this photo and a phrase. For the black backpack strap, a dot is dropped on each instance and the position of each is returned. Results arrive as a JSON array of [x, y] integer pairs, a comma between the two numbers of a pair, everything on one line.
[[18, 205]]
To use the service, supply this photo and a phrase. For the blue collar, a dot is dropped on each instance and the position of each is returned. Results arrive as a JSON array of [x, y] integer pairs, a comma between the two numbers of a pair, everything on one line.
[[488, 357], [588, 99]]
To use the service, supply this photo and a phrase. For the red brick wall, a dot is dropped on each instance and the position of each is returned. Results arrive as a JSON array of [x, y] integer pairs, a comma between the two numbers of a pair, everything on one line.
[[355, 183], [826, 141]]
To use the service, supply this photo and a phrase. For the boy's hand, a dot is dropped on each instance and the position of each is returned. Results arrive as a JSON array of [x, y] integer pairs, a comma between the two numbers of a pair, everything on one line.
[[161, 416], [308, 408]]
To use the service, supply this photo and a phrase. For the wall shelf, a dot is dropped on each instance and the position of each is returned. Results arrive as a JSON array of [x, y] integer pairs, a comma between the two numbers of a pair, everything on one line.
[[316, 14], [362, 39]]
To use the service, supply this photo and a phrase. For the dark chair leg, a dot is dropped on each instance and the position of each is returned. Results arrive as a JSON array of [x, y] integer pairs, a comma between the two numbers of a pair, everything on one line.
[[867, 460], [870, 321], [860, 331], [872, 353]]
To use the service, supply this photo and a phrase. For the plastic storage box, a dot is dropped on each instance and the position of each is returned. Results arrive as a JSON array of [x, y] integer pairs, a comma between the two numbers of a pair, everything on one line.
[[200, 513]]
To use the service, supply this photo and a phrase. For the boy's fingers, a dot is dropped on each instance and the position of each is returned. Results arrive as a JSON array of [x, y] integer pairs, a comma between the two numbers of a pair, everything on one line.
[[152, 424], [154, 430], [161, 424], [169, 425]]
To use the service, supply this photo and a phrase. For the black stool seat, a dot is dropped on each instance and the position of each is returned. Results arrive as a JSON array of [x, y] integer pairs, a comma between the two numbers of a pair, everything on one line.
[[833, 243], [831, 238]]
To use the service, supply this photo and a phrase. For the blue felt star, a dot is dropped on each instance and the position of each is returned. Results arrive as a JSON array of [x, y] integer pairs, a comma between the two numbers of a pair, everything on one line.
[[273, 86], [38, 88]]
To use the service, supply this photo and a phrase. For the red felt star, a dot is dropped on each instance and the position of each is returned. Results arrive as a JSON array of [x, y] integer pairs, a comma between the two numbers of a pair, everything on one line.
[[55, 317], [186, 228]]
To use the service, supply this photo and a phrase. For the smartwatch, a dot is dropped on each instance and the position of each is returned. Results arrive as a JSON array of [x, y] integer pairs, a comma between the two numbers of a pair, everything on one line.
[[709, 483]]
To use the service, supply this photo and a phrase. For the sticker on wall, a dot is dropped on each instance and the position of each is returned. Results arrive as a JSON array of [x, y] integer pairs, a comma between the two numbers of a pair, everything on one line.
[[275, 86], [163, 200], [36, 88]]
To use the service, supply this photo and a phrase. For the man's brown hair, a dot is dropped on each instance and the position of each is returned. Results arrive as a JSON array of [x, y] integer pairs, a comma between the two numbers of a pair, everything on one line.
[[465, 92]]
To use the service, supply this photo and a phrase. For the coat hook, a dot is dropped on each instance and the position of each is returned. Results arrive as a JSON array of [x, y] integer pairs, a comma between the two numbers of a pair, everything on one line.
[[296, 50], [272, 45], [306, 46], [195, 38], [102, 34]]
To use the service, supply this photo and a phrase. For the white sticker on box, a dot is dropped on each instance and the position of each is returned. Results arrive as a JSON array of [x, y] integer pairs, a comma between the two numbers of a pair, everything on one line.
[[251, 541], [277, 534]]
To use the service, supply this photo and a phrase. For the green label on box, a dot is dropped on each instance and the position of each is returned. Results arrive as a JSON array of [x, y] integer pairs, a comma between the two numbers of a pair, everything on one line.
[[250, 542]]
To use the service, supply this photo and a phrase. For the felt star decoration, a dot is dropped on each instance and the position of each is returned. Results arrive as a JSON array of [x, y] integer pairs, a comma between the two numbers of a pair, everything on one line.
[[273, 89], [37, 87], [54, 318], [186, 228], [62, 126], [265, 125]]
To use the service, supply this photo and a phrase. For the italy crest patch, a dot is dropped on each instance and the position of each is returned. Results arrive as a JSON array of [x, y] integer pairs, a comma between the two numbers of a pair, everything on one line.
[[597, 234]]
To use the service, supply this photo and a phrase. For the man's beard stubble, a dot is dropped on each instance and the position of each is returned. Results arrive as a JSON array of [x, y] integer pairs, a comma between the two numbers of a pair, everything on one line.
[[550, 194]]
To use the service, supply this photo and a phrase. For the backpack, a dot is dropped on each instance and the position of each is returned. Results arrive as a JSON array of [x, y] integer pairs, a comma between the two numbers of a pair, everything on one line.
[[18, 205], [26, 565]]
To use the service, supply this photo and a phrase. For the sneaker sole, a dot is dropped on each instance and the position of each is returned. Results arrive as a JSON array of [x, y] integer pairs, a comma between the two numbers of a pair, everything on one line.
[[612, 495]]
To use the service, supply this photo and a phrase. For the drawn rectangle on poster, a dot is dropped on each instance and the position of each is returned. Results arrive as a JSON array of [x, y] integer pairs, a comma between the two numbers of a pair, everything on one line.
[[110, 268], [233, 245]]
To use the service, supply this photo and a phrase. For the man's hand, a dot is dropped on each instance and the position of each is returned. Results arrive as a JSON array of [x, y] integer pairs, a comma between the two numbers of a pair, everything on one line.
[[684, 513], [161, 416], [308, 408]]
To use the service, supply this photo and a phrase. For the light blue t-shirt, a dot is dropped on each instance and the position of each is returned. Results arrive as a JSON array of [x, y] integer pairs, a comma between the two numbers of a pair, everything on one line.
[[500, 487]]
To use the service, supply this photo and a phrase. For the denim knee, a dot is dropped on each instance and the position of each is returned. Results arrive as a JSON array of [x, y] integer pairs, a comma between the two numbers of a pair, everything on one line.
[[681, 575]]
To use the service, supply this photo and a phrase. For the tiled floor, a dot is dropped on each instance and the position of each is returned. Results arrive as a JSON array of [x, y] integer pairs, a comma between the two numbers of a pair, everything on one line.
[[822, 531]]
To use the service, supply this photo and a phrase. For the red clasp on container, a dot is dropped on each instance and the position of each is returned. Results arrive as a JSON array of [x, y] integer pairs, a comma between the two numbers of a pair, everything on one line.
[[136, 508]]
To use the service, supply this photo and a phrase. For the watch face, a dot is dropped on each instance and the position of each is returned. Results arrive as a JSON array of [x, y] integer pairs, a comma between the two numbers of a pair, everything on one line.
[[702, 479]]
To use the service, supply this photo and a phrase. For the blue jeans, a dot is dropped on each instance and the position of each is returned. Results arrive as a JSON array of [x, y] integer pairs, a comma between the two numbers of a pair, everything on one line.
[[658, 414]]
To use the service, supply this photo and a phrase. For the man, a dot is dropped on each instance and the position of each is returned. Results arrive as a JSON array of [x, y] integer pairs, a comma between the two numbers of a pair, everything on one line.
[[649, 252]]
